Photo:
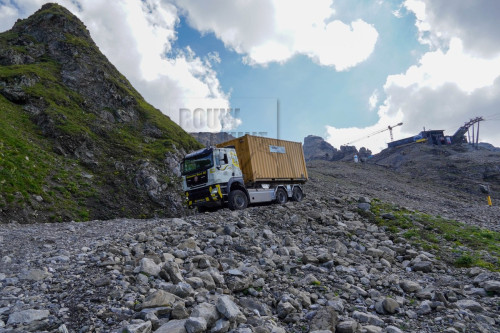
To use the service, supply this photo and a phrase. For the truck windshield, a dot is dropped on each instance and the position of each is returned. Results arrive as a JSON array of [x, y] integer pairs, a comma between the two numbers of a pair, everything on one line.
[[198, 162]]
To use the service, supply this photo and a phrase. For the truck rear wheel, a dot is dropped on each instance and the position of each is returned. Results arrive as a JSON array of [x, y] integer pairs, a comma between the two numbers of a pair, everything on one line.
[[237, 200], [281, 196], [297, 194]]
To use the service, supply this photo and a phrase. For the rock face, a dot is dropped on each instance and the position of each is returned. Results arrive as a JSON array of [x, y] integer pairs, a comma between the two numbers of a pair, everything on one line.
[[463, 167], [211, 139], [86, 143], [316, 148]]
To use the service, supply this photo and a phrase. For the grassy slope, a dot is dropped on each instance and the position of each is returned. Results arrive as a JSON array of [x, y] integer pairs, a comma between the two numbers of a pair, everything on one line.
[[455, 242], [30, 168]]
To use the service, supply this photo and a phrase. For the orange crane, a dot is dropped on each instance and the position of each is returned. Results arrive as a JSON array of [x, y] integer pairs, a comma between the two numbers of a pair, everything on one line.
[[389, 128]]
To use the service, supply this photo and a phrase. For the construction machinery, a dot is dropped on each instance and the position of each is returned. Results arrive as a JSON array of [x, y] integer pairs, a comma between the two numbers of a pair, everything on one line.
[[389, 128]]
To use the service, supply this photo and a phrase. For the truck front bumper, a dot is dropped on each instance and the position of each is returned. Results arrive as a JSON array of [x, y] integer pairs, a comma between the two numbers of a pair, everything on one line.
[[206, 196]]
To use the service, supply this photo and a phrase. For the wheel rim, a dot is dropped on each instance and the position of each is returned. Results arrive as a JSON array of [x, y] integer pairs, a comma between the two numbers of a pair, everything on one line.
[[239, 201]]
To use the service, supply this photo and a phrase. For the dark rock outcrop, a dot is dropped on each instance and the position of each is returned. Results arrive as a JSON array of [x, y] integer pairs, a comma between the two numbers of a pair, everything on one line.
[[211, 139], [316, 148]]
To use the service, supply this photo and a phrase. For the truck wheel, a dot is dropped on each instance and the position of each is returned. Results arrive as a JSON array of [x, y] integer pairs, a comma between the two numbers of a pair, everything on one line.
[[297, 194], [281, 196], [237, 200]]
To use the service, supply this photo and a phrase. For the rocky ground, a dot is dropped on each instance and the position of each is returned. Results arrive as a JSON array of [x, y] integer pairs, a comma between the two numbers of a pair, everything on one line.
[[313, 266]]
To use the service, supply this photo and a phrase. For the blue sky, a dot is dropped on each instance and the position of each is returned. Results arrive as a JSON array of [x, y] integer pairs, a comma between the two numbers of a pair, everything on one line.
[[340, 69], [310, 95]]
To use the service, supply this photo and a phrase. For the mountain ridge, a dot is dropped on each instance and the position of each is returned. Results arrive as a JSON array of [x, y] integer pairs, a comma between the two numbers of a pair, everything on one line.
[[78, 141]]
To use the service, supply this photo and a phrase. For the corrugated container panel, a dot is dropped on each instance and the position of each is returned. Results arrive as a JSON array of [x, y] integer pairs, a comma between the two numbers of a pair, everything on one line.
[[265, 159]]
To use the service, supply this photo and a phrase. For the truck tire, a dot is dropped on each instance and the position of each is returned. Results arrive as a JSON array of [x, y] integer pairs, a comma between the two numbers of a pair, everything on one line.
[[297, 194], [281, 196], [237, 200]]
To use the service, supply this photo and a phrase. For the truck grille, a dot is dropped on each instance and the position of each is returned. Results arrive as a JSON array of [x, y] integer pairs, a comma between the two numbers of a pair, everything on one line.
[[197, 179]]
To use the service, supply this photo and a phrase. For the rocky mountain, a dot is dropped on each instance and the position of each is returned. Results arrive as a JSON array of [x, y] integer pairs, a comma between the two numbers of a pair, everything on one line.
[[77, 141], [211, 139], [462, 167], [316, 148]]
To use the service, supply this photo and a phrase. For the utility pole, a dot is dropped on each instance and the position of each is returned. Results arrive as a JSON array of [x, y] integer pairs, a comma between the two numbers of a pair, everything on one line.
[[477, 137]]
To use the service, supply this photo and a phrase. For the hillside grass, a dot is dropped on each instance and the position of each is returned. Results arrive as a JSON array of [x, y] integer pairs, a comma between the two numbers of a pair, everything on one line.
[[34, 176], [29, 170], [456, 242]]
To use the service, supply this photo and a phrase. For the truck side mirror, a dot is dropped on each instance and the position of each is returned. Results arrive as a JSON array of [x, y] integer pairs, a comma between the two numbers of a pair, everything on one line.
[[225, 159]]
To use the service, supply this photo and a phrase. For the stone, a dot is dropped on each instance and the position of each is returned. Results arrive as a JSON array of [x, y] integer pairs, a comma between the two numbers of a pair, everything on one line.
[[393, 329], [339, 247], [228, 308], [422, 266], [238, 283], [189, 244], [469, 304], [337, 304], [348, 326], [142, 327], [364, 206], [492, 286], [207, 311], [372, 329], [375, 253], [27, 316], [410, 286], [367, 318], [179, 311], [284, 308], [390, 305], [173, 272], [255, 306], [173, 326], [325, 319], [425, 307], [34, 275], [208, 280], [157, 299], [221, 326], [195, 282], [181, 289], [364, 199], [149, 267], [195, 325]]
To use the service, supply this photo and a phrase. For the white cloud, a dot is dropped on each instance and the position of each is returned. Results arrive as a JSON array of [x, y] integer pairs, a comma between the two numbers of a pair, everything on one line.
[[373, 100], [275, 30], [453, 66], [474, 22], [373, 137], [137, 36], [458, 79]]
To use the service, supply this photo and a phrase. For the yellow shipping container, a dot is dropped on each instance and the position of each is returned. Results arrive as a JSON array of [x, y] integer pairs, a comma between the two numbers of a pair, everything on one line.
[[269, 160]]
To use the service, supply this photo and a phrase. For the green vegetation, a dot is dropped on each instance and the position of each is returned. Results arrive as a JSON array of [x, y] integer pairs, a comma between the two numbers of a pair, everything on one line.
[[41, 172], [458, 243]]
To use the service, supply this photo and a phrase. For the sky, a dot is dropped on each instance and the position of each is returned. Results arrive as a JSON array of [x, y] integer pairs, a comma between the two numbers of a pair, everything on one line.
[[339, 69]]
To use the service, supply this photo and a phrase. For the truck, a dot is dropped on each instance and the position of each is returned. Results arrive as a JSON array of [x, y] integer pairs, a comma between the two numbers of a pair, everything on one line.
[[243, 171]]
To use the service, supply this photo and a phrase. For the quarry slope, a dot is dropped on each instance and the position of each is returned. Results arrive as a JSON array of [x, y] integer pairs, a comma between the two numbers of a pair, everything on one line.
[[368, 250]]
